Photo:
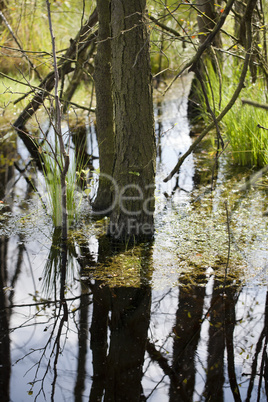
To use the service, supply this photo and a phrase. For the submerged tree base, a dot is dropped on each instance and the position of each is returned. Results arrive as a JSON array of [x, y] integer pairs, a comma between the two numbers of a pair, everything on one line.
[[131, 231]]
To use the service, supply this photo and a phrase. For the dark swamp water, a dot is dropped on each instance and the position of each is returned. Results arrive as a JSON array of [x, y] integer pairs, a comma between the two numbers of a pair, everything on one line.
[[181, 319]]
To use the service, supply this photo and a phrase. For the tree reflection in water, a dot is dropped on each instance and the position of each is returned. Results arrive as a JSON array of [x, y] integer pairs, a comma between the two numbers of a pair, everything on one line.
[[81, 341]]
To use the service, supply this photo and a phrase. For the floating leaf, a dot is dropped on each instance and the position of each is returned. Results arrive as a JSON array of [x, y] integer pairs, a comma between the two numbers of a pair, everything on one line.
[[135, 173], [87, 191]]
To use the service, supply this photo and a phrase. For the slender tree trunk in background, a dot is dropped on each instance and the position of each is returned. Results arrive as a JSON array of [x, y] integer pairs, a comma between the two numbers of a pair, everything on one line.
[[135, 151], [240, 32], [162, 45], [206, 21], [3, 5], [104, 110]]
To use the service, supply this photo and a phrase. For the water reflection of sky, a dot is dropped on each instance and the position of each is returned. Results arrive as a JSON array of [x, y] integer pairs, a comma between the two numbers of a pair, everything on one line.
[[172, 130], [250, 317], [185, 301]]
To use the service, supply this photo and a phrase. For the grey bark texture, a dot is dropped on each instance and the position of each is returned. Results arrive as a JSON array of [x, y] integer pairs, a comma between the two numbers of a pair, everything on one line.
[[207, 20], [104, 110], [135, 151]]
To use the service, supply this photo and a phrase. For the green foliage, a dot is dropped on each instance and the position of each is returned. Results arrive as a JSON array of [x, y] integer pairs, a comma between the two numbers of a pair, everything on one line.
[[248, 143], [29, 23], [10, 91]]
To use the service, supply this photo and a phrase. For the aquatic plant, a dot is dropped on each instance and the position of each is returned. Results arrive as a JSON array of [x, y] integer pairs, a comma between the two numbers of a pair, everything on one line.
[[245, 129], [243, 126], [52, 175]]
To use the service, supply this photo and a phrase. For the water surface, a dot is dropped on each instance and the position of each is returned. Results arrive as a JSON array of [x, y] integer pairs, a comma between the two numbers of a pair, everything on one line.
[[183, 318]]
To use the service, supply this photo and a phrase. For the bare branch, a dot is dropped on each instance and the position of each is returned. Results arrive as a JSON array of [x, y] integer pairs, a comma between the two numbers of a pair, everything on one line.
[[255, 104], [165, 27], [191, 65], [240, 86], [83, 39], [24, 54]]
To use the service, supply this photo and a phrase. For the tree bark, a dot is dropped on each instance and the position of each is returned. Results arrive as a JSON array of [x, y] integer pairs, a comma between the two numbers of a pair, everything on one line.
[[104, 109], [207, 20], [240, 30], [135, 151]]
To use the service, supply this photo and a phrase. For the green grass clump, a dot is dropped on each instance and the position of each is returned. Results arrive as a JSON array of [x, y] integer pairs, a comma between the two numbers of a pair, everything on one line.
[[249, 142], [52, 177], [241, 126]]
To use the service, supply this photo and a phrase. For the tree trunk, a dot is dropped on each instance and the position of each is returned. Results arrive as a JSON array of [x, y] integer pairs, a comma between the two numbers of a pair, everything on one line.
[[207, 20], [3, 5], [104, 110], [135, 151], [240, 31]]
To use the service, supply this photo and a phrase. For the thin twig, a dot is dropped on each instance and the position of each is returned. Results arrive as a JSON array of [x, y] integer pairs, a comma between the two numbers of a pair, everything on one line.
[[82, 40], [166, 28], [40, 91], [255, 104], [230, 104], [65, 157], [44, 302], [18, 43], [207, 43]]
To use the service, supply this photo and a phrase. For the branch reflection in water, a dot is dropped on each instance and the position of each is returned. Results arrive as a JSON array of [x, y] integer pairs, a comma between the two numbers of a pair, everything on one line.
[[88, 320], [90, 341]]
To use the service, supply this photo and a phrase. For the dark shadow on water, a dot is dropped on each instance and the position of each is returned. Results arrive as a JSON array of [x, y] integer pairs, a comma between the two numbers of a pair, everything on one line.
[[117, 370], [83, 320], [127, 343]]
